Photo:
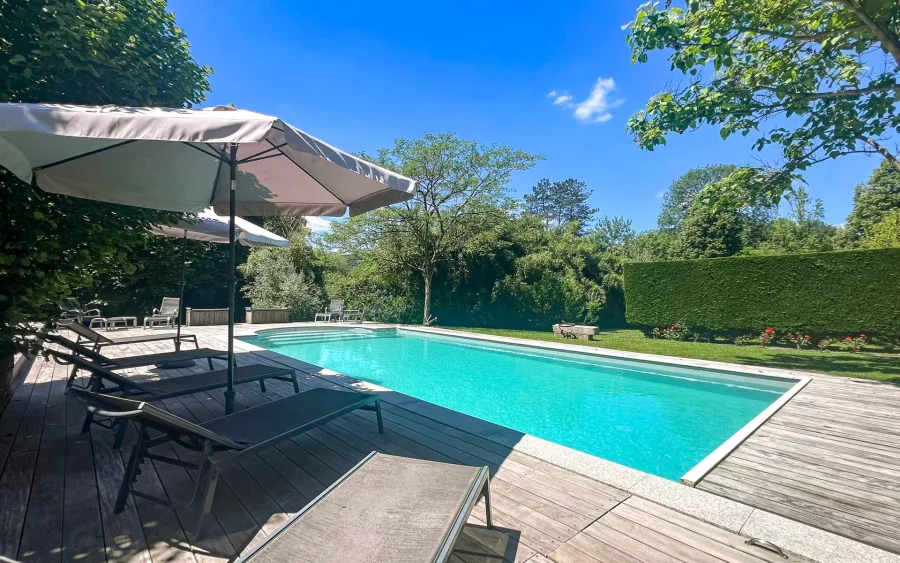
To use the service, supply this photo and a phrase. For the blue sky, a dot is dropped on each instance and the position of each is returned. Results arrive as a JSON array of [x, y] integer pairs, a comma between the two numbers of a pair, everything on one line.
[[360, 74]]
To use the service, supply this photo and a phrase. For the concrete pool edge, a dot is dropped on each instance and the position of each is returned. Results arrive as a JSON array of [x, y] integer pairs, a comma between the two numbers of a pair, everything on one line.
[[793, 536]]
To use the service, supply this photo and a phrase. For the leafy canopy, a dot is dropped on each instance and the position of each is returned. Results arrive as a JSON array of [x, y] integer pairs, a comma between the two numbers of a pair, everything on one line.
[[560, 203], [813, 79], [682, 193], [127, 52], [873, 200], [460, 198]]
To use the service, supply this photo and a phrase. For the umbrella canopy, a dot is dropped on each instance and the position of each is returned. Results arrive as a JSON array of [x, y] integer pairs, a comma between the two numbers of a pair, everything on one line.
[[240, 162], [214, 228], [217, 229], [180, 160]]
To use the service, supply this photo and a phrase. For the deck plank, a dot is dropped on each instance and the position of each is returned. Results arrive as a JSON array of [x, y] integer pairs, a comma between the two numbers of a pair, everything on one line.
[[545, 513], [830, 458]]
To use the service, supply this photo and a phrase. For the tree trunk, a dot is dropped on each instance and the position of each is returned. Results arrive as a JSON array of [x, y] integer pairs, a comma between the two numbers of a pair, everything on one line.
[[426, 313]]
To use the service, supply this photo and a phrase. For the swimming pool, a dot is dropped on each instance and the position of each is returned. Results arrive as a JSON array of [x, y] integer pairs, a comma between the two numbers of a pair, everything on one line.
[[658, 418]]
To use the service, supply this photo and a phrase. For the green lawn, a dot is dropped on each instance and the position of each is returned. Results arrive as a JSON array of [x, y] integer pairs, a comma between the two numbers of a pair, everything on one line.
[[884, 367]]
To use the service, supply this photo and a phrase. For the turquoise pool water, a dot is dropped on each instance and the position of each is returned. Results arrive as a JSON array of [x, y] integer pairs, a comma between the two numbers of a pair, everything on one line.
[[654, 417]]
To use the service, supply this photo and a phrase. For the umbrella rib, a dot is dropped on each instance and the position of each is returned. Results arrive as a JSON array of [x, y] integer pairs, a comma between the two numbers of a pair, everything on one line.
[[83, 155], [307, 173], [252, 157], [213, 154]]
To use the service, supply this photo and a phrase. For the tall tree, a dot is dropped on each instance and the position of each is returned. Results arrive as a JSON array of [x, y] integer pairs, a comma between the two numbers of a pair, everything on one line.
[[460, 196], [683, 192], [128, 52], [873, 200], [560, 203], [710, 233], [885, 234], [803, 230], [833, 65], [614, 234]]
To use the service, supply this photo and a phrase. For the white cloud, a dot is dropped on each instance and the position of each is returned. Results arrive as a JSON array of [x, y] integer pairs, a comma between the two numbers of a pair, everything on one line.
[[318, 224], [560, 98], [595, 109], [660, 194]]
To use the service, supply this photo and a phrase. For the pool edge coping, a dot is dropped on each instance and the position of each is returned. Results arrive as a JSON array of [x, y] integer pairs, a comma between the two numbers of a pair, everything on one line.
[[795, 536]]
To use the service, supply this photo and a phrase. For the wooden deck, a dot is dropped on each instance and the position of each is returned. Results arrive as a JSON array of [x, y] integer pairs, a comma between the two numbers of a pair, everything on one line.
[[58, 486], [830, 458]]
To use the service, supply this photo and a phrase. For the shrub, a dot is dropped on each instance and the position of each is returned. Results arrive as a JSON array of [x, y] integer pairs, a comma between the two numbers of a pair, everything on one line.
[[273, 281], [822, 293]]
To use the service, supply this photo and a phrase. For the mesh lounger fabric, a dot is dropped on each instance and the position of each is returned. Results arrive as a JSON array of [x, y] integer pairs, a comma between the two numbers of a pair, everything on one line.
[[390, 509]]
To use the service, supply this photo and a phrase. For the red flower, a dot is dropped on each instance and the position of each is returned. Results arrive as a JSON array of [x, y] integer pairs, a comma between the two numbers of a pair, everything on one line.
[[855, 348], [862, 335], [806, 336], [848, 339]]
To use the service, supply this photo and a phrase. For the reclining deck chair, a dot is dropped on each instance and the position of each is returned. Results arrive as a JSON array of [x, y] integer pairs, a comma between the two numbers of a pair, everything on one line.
[[244, 433], [137, 361], [387, 508], [102, 380], [86, 334]]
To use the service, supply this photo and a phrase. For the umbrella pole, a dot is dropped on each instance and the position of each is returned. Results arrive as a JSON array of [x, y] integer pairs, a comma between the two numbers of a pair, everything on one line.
[[181, 297], [180, 363], [229, 393]]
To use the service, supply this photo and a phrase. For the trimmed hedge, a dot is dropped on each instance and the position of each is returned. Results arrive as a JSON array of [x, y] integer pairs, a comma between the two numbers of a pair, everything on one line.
[[826, 293]]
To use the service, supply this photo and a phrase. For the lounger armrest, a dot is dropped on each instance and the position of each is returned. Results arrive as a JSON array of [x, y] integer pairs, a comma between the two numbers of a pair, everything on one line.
[[92, 312]]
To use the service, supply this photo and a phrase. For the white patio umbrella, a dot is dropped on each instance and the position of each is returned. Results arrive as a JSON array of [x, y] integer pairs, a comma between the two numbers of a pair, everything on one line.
[[211, 227], [238, 161]]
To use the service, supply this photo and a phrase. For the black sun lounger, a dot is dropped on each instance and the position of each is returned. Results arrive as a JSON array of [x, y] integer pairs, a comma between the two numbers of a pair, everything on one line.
[[99, 341], [387, 508], [103, 380], [244, 433], [136, 361]]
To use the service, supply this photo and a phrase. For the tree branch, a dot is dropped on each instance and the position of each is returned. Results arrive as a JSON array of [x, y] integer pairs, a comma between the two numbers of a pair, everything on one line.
[[890, 43]]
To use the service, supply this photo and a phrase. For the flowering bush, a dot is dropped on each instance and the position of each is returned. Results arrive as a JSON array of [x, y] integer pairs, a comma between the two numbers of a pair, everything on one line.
[[767, 336], [852, 344], [676, 332], [824, 343], [798, 340]]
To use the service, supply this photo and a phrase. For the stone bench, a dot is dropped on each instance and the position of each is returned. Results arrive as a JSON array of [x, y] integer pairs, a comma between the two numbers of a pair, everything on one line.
[[582, 332]]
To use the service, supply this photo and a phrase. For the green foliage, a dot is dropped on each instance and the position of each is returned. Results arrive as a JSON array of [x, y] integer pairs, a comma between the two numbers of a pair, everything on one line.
[[709, 233], [805, 230], [614, 234], [460, 199], [651, 246], [157, 273], [873, 200], [683, 192], [560, 203], [885, 234], [821, 293], [129, 53], [832, 65], [275, 280], [565, 279], [866, 366]]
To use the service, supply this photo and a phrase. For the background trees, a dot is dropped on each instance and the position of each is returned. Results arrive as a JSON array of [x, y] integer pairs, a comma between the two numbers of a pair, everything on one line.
[[459, 200], [834, 65], [129, 53], [560, 203]]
